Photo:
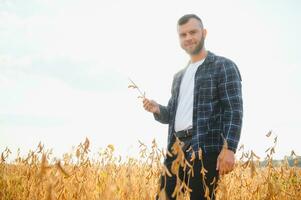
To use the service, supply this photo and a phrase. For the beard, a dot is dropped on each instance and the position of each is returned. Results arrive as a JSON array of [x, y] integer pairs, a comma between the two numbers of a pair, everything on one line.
[[198, 47]]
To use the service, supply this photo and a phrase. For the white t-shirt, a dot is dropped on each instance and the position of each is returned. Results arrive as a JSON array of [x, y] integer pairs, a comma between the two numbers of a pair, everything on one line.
[[183, 118]]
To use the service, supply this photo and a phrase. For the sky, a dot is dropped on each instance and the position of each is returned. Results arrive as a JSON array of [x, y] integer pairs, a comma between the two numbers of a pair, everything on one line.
[[65, 67]]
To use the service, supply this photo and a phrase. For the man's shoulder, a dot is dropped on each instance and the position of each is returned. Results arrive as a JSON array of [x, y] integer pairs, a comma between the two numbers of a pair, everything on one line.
[[224, 66], [220, 60], [179, 73]]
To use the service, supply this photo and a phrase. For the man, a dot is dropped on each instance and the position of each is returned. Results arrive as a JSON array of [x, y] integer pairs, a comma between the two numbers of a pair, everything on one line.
[[205, 110]]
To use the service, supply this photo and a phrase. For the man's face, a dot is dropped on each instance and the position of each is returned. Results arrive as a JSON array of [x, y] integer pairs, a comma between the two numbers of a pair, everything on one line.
[[191, 36]]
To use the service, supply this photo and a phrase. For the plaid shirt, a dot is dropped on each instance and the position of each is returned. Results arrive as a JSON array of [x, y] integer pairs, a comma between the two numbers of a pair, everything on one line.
[[217, 105]]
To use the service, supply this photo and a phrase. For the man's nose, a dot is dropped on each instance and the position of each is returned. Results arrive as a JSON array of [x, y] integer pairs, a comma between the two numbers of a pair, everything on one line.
[[188, 37]]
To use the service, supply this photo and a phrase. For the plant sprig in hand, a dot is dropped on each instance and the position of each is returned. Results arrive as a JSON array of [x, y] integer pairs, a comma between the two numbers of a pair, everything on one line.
[[134, 86]]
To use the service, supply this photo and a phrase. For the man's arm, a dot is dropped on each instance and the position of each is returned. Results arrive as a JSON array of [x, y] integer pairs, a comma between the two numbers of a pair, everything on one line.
[[231, 98], [230, 93], [161, 113], [164, 114]]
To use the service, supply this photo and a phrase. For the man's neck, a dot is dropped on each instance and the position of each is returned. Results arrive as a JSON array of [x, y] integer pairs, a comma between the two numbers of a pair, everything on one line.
[[199, 56]]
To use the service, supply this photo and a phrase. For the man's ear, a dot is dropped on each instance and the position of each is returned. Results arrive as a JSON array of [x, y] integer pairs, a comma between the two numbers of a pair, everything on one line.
[[204, 33]]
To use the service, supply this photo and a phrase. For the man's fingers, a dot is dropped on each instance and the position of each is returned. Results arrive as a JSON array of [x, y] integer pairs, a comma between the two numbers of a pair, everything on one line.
[[230, 167], [217, 164], [221, 172], [221, 168], [147, 104], [225, 167], [226, 161], [150, 106], [147, 107], [145, 100]]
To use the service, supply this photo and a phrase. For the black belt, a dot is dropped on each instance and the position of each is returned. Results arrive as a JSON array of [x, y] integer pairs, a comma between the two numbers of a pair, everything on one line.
[[184, 134]]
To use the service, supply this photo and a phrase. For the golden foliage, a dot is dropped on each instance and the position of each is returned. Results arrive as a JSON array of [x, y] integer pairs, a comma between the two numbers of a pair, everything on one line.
[[109, 177]]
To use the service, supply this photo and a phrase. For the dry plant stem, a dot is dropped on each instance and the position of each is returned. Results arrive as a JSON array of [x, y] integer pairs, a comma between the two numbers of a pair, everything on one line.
[[134, 86]]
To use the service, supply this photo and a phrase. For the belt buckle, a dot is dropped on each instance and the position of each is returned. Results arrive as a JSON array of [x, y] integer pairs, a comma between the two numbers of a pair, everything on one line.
[[184, 133], [187, 133]]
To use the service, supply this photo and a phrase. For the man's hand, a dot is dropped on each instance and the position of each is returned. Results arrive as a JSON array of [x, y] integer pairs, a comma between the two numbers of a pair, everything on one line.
[[151, 106], [225, 161]]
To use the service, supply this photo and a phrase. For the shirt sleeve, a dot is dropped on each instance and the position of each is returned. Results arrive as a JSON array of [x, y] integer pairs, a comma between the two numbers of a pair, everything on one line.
[[230, 92], [164, 116]]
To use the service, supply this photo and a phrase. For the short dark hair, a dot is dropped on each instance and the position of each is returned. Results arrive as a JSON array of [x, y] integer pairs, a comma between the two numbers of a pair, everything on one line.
[[184, 19]]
